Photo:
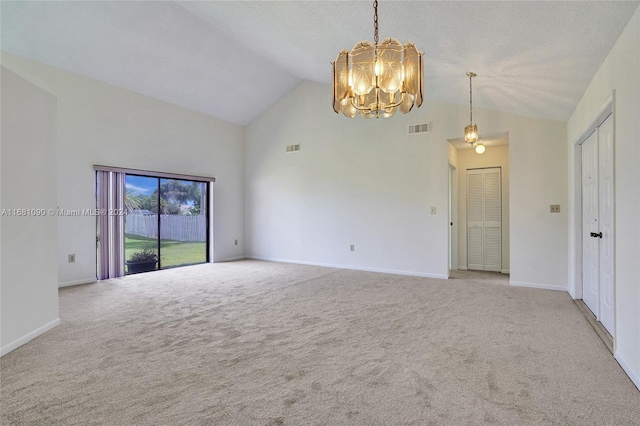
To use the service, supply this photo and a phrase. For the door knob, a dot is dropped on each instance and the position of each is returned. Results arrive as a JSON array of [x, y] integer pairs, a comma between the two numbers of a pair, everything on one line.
[[596, 234]]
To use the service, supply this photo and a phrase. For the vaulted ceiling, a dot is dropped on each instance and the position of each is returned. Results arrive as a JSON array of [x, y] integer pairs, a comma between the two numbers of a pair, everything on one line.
[[233, 59]]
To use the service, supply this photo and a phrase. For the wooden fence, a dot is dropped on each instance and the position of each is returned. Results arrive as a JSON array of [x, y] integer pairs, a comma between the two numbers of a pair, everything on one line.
[[172, 227]]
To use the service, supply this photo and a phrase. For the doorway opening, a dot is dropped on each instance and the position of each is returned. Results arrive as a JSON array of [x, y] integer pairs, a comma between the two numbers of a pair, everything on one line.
[[462, 159]]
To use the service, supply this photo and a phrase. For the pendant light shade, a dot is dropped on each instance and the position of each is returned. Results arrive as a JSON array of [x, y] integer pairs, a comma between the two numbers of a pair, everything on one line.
[[471, 133], [376, 79], [480, 148]]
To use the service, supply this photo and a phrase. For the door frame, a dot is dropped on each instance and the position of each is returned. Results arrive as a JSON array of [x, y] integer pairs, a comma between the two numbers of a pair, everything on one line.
[[205, 190], [575, 215], [466, 227], [453, 217]]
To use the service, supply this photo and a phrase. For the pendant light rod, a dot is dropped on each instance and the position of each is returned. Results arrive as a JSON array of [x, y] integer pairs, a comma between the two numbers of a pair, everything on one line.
[[471, 75]]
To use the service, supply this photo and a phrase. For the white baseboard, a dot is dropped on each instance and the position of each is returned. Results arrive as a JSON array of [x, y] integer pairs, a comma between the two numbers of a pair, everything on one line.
[[505, 271], [535, 285], [28, 337], [77, 282], [229, 259], [635, 378], [350, 267]]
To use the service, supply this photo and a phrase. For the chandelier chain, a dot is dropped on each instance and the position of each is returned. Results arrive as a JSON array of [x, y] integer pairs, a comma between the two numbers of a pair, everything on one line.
[[375, 22]]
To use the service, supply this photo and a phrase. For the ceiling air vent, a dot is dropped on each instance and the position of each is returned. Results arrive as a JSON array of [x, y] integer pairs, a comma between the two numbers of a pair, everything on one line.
[[420, 128], [293, 148]]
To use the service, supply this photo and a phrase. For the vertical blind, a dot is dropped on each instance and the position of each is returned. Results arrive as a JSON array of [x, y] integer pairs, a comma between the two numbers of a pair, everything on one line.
[[110, 204]]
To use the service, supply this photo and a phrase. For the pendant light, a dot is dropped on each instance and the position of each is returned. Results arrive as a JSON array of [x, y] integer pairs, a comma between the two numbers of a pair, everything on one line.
[[374, 80], [471, 131]]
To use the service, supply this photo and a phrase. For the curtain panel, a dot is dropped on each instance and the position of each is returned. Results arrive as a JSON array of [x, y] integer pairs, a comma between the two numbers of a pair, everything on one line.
[[110, 204]]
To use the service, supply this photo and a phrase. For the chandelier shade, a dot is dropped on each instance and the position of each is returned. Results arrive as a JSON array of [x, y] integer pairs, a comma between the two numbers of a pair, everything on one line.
[[376, 79], [471, 133]]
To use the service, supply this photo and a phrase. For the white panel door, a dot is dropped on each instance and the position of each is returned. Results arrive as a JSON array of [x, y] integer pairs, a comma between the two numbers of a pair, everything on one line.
[[598, 279], [484, 219], [590, 244], [606, 219]]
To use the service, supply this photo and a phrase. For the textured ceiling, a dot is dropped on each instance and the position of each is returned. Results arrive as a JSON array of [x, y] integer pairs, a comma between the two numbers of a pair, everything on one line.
[[233, 59]]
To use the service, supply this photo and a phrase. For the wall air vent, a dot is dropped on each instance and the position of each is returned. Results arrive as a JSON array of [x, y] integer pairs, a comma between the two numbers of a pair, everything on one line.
[[293, 148], [419, 128]]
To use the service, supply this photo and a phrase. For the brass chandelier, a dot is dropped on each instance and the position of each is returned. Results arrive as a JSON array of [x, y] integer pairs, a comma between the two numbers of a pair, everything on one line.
[[376, 79], [471, 131]]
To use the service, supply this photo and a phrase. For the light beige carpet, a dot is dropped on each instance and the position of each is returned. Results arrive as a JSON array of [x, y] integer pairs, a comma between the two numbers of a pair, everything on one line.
[[257, 343]]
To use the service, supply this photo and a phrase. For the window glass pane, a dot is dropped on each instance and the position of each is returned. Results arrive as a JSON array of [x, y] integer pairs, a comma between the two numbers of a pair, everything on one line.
[[141, 224], [183, 222]]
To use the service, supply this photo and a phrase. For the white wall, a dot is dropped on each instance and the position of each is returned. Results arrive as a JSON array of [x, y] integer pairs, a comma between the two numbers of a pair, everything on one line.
[[28, 268], [537, 179], [354, 182], [497, 156], [619, 72], [452, 155], [101, 124], [366, 182]]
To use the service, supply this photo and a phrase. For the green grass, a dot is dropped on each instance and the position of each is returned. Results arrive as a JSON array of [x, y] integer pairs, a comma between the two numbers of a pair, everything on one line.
[[173, 253]]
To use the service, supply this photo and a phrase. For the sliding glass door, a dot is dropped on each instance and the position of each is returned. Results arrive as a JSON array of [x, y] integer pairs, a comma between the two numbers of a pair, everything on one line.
[[149, 220], [183, 222], [166, 223]]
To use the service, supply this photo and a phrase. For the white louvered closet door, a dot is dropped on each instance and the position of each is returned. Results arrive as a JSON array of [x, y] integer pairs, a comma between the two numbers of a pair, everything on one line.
[[475, 222], [484, 219]]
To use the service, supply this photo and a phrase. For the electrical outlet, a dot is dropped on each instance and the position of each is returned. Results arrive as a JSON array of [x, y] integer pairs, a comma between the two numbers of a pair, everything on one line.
[[235, 242], [433, 209], [554, 208], [352, 247], [72, 258]]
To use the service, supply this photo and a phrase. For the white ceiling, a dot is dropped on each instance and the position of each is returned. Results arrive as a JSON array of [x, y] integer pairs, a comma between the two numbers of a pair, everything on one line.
[[233, 59]]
